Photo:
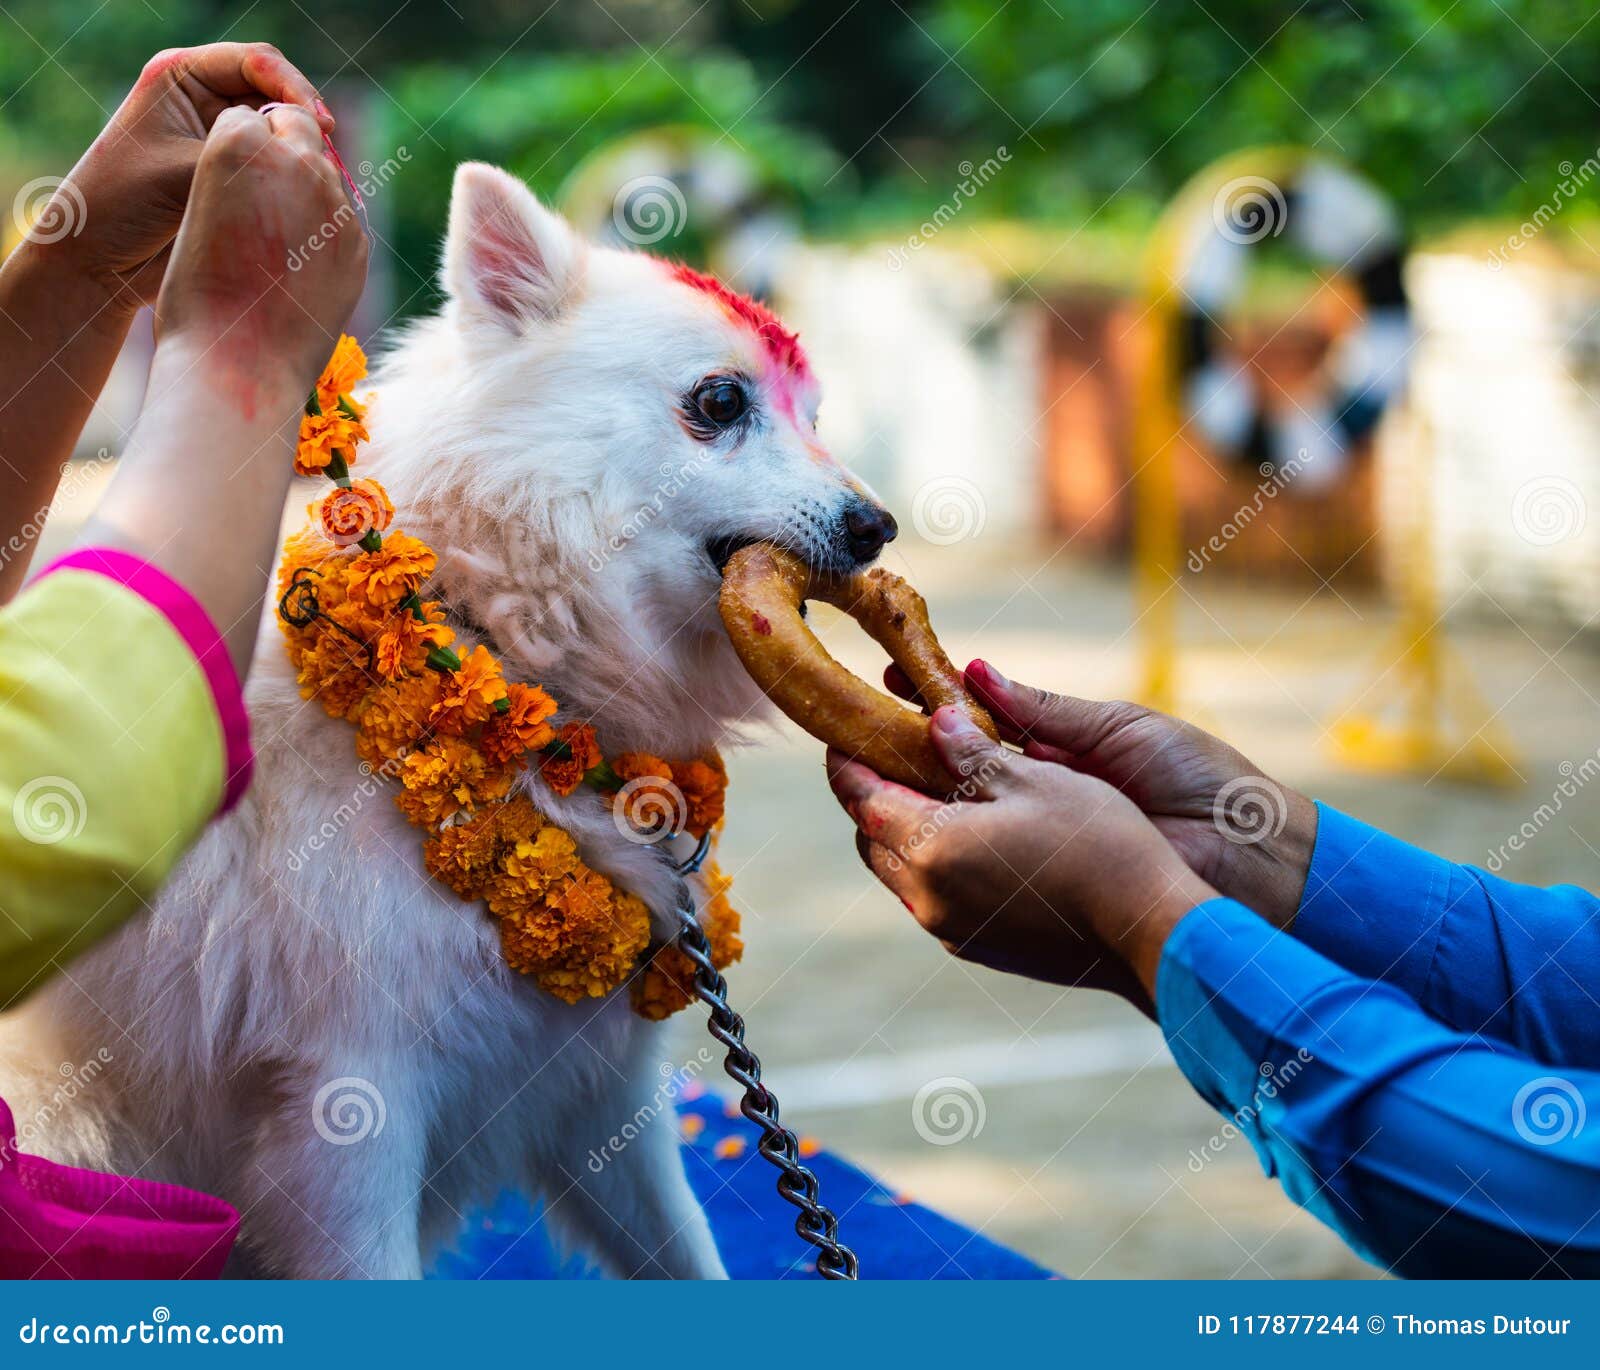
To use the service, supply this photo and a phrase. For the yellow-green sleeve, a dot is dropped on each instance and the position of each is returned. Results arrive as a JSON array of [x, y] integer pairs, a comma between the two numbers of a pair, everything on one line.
[[114, 753]]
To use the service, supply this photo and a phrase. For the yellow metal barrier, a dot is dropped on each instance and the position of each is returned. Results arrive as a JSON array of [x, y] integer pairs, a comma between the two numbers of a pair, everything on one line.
[[1443, 727]]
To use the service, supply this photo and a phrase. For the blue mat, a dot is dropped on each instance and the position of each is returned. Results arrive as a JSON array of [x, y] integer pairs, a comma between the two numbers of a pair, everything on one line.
[[894, 1238]]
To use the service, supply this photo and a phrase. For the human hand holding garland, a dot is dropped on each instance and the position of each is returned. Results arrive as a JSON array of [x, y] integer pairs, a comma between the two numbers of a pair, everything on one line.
[[240, 337], [97, 250]]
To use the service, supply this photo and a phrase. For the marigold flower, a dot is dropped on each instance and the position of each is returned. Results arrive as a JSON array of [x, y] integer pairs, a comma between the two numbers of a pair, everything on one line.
[[465, 856], [523, 727], [332, 670], [584, 941], [324, 437], [575, 753], [347, 366], [406, 640], [470, 693], [667, 983], [385, 577], [349, 513], [393, 717], [704, 786], [445, 777]]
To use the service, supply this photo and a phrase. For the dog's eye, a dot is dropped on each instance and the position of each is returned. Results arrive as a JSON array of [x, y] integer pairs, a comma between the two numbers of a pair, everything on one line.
[[721, 401]]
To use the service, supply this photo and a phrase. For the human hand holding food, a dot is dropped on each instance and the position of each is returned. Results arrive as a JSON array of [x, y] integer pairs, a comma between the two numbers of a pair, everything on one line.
[[1242, 833], [1032, 869]]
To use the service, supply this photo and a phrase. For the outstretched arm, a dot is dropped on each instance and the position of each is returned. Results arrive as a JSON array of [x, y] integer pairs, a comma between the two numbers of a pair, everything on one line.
[[1432, 1152], [99, 250], [1478, 953]]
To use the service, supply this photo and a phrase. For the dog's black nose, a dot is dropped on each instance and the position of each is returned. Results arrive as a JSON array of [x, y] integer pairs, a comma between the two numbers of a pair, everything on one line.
[[869, 527]]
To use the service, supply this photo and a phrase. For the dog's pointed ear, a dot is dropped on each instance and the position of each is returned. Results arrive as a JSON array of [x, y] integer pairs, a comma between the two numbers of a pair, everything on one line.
[[507, 258]]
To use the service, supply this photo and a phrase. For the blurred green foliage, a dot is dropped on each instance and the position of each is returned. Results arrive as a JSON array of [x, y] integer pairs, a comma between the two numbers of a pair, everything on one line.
[[864, 112]]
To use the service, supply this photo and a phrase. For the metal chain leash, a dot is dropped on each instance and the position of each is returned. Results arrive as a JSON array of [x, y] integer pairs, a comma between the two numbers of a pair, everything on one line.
[[816, 1223]]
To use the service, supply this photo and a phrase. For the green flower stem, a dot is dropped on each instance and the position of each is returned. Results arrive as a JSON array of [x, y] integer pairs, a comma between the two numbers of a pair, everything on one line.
[[602, 777], [443, 659]]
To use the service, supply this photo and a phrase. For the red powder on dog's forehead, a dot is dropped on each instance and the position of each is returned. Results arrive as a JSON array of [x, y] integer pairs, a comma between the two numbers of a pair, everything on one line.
[[782, 347]]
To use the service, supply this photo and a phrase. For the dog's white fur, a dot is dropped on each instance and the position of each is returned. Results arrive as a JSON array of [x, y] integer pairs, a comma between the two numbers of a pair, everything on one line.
[[530, 433]]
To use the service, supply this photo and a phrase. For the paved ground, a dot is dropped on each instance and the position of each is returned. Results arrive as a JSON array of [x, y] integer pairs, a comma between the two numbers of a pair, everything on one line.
[[1081, 1130], [1082, 1159]]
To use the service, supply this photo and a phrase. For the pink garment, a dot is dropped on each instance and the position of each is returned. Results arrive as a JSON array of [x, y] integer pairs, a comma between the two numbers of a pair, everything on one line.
[[60, 1223]]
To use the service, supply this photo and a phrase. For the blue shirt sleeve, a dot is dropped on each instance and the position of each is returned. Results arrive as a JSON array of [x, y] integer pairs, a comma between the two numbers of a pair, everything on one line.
[[1480, 954], [1433, 1153]]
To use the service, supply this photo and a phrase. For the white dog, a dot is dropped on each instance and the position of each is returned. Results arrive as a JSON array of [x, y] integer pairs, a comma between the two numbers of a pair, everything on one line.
[[584, 436]]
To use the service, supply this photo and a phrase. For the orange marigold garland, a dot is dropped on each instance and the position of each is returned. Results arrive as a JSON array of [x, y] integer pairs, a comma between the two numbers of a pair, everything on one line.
[[455, 733]]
